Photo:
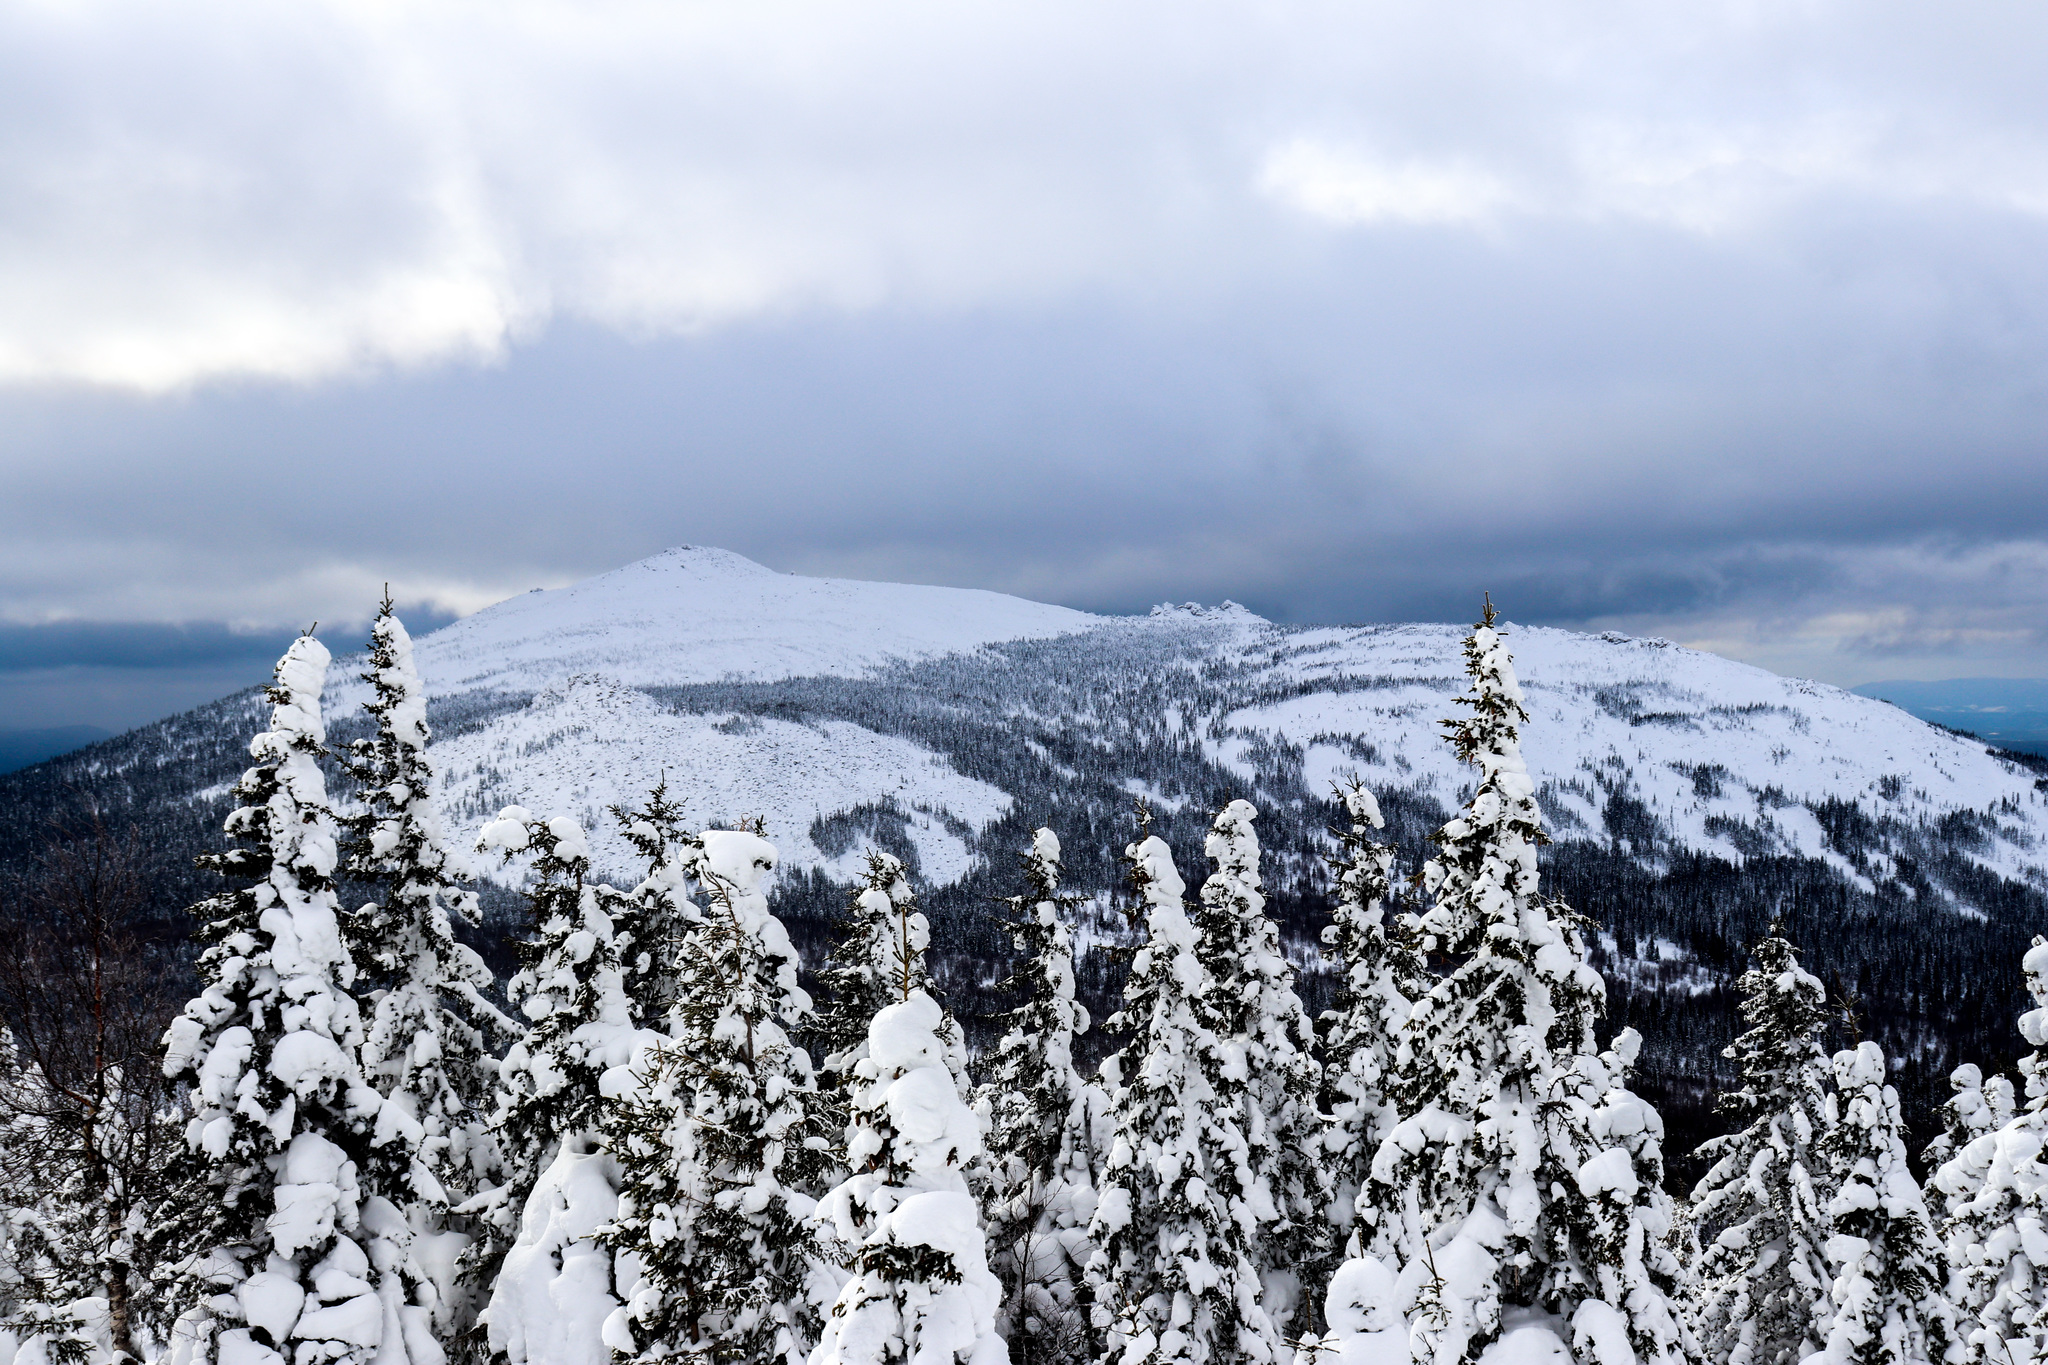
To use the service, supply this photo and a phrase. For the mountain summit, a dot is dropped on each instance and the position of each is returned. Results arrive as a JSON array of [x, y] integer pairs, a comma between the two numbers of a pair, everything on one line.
[[697, 614]]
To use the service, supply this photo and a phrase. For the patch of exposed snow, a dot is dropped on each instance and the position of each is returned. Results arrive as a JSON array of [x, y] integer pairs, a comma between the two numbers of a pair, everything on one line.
[[592, 743]]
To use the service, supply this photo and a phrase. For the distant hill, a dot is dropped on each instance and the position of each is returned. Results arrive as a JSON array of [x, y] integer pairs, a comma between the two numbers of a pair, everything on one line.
[[2009, 712], [20, 748], [1693, 801]]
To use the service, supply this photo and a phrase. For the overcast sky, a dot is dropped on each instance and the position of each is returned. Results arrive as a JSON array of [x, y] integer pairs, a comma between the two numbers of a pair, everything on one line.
[[1725, 322]]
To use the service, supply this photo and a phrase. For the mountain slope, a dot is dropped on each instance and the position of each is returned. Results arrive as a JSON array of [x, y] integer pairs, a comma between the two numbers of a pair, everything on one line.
[[1728, 760], [696, 614]]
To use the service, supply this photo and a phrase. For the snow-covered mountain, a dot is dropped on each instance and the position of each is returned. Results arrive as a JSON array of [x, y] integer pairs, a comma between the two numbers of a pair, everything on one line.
[[574, 694], [697, 614], [1693, 800]]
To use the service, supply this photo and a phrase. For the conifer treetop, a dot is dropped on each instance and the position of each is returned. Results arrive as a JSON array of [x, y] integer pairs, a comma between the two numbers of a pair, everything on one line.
[[1382, 977], [1887, 1297], [1168, 930], [1493, 730], [1786, 1009], [878, 960], [657, 914], [400, 829], [1231, 843], [1762, 1282], [737, 866], [287, 792], [657, 833], [399, 700], [1045, 853], [1485, 868], [1044, 1025]]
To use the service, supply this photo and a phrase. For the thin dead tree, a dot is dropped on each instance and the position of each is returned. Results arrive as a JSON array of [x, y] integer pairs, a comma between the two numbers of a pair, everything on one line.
[[83, 1005]]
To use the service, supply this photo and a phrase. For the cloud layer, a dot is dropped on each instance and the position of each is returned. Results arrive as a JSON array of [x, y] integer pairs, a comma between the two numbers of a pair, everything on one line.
[[1722, 321]]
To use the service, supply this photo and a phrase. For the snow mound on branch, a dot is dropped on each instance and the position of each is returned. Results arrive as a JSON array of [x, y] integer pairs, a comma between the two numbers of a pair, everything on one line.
[[1531, 1339], [1364, 1313], [555, 1291], [744, 862]]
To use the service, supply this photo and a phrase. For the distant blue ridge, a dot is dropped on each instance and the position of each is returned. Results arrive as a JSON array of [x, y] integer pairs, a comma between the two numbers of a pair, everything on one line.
[[21, 748], [2011, 713]]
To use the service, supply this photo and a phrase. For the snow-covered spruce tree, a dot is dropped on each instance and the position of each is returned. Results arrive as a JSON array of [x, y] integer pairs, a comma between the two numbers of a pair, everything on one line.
[[715, 1142], [1173, 1281], [1042, 1120], [571, 990], [1257, 1015], [1381, 978], [1522, 1185], [1977, 1107], [428, 1044], [1996, 1191], [1888, 1302], [920, 1290], [877, 961], [1762, 1277], [651, 929], [290, 1260]]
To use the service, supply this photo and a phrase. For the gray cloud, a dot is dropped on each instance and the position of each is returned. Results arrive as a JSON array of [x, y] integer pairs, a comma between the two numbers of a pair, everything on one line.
[[112, 644], [1727, 324], [121, 673]]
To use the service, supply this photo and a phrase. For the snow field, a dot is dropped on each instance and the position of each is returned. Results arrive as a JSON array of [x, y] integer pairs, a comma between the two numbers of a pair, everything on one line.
[[698, 614], [1650, 718], [591, 743]]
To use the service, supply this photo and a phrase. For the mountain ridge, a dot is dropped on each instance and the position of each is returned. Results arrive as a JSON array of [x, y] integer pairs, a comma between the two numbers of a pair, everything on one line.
[[1692, 800], [745, 620]]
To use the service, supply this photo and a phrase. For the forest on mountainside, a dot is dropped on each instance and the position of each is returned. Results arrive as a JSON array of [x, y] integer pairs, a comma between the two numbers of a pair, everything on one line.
[[1375, 1086], [1077, 726]]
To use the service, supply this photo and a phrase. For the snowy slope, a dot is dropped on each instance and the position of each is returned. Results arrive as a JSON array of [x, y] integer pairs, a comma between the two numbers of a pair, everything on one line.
[[588, 740], [589, 744], [1704, 742], [694, 614], [591, 693]]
